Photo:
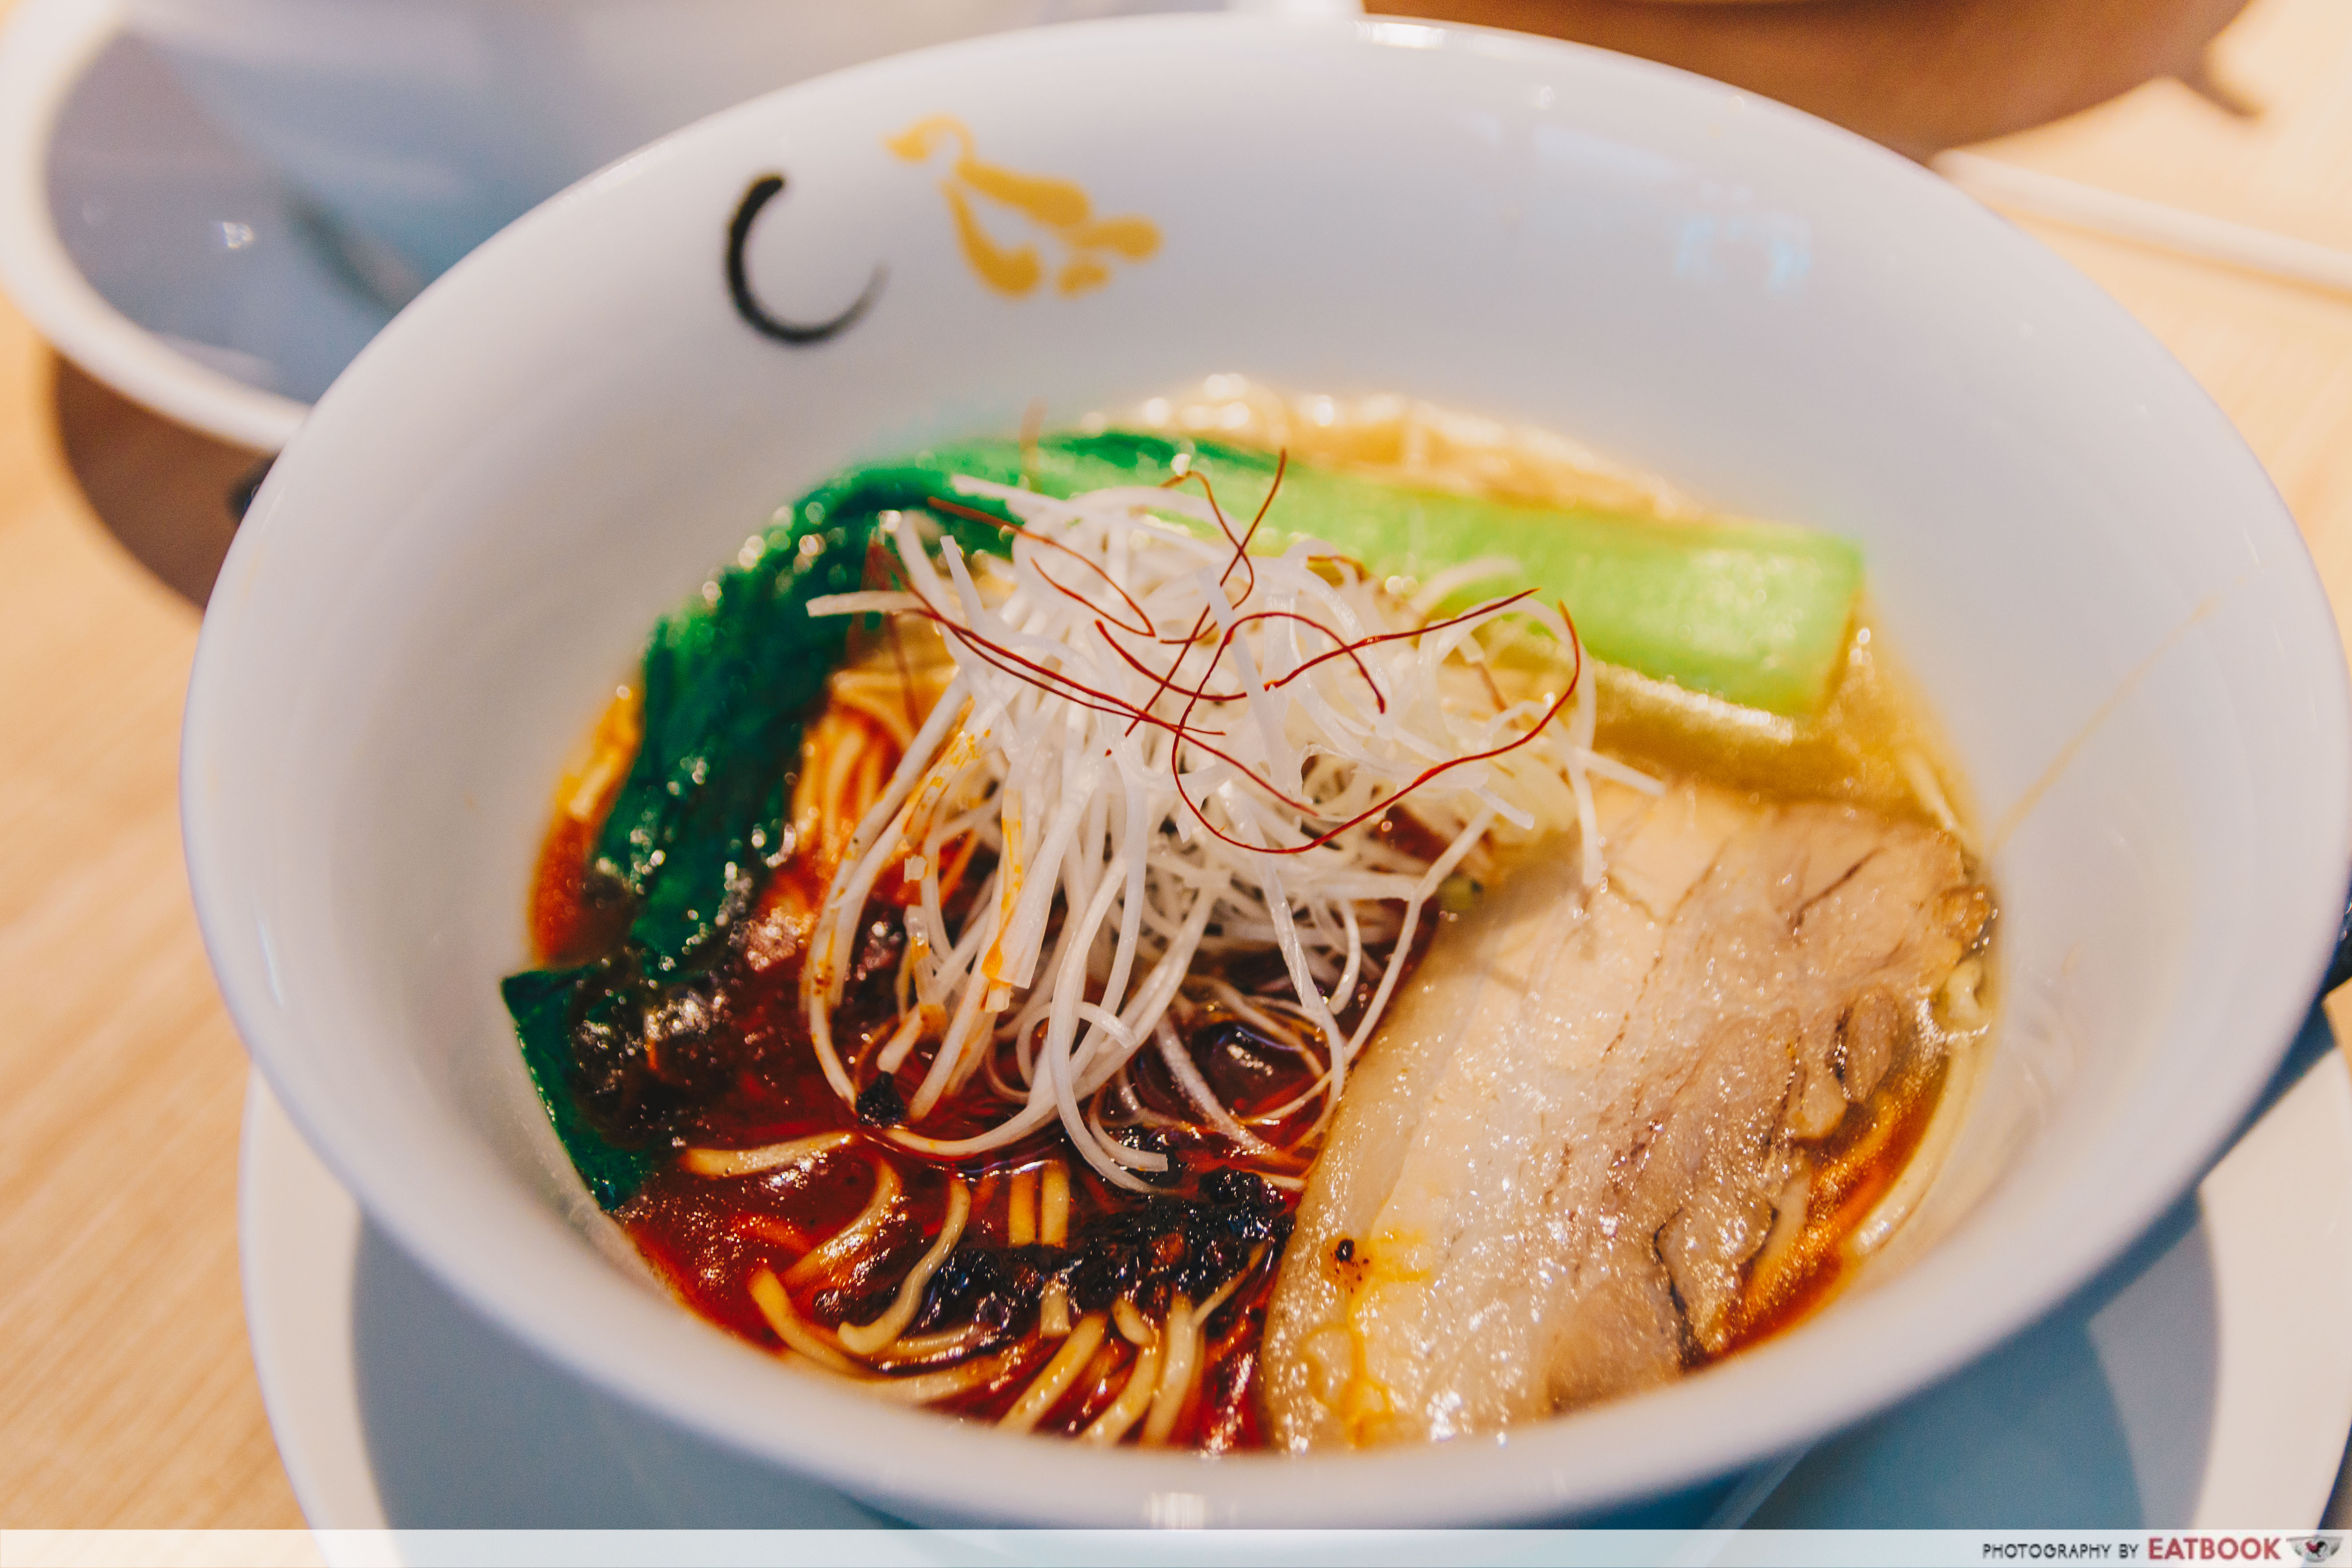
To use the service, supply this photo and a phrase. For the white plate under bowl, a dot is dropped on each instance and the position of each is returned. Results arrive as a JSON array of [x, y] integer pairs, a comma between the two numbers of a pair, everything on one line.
[[2183, 1389], [2089, 574]]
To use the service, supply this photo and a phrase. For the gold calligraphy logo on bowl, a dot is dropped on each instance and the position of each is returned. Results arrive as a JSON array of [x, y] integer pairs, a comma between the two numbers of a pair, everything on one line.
[[1058, 209]]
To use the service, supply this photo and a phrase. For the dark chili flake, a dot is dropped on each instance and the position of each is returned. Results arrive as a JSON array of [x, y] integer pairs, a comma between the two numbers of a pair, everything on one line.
[[879, 1104], [1162, 1247], [995, 1286], [1168, 1246]]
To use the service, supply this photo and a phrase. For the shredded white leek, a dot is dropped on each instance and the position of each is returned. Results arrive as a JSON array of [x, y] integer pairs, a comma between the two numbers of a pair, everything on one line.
[[1175, 752]]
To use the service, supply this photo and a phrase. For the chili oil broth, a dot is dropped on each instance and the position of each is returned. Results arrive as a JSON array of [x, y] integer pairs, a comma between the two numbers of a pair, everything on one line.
[[1875, 744], [1872, 745], [709, 1238]]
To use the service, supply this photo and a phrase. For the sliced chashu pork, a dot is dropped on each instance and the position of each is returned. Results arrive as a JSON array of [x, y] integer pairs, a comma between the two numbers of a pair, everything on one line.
[[1578, 1123]]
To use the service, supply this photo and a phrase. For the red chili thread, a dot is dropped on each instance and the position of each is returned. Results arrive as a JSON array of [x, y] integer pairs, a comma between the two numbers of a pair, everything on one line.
[[1148, 673], [1241, 555], [1366, 815], [1000, 657], [1182, 730], [1489, 606], [1146, 630], [1186, 734], [1345, 647], [1241, 545], [1046, 679]]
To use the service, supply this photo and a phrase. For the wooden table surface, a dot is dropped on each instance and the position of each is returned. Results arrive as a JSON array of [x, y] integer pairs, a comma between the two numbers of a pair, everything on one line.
[[127, 1393]]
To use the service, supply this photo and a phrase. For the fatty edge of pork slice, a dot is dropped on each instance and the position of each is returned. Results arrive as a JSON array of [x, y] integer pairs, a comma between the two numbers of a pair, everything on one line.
[[1570, 1136], [1391, 1132]]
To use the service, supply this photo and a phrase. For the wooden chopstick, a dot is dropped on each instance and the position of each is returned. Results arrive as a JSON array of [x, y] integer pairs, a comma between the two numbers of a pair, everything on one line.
[[2238, 245]]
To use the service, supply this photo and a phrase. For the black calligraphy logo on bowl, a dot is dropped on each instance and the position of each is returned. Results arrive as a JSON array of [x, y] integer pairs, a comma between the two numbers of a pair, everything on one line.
[[762, 191]]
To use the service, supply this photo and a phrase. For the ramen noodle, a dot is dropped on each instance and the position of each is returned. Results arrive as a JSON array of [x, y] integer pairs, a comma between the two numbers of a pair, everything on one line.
[[1264, 922]]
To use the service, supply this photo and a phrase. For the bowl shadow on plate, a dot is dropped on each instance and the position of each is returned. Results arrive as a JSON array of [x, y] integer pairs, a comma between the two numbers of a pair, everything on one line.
[[469, 1429], [2100, 1416], [2095, 1418]]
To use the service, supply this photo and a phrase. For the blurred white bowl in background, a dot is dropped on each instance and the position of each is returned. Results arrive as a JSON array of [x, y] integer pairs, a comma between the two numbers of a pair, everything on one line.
[[426, 126], [194, 275]]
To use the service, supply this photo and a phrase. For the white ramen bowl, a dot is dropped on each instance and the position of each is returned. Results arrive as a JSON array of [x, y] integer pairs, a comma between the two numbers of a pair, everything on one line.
[[463, 548]]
